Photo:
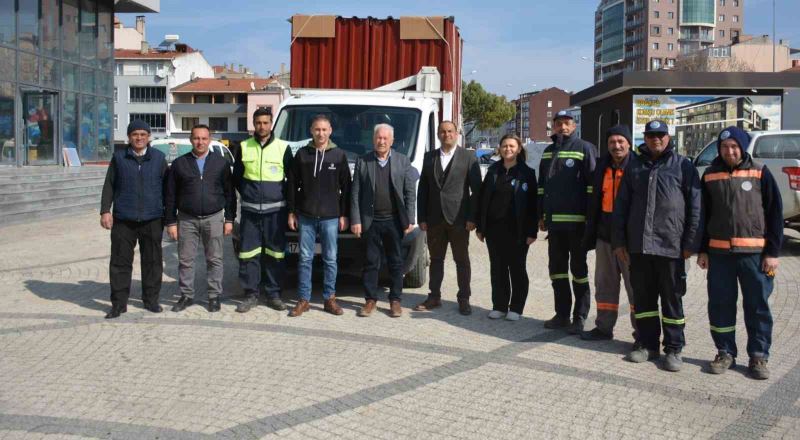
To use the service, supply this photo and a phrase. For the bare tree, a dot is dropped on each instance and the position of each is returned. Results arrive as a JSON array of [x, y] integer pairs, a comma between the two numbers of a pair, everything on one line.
[[701, 61]]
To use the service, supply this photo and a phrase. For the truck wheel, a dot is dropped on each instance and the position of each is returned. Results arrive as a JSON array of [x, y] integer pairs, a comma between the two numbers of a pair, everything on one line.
[[418, 275]]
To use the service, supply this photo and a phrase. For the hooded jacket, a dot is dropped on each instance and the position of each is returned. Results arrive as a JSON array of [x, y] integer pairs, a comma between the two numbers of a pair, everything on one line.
[[319, 182], [658, 207]]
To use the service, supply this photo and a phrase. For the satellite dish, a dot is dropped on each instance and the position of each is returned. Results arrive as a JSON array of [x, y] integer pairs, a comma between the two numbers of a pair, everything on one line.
[[252, 86], [161, 74]]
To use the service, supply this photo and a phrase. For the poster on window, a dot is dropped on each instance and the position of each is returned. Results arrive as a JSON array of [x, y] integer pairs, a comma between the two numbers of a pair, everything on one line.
[[695, 121]]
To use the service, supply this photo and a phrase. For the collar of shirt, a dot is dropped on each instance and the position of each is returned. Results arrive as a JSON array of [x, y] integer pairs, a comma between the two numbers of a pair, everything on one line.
[[201, 157], [445, 158], [383, 163], [139, 154]]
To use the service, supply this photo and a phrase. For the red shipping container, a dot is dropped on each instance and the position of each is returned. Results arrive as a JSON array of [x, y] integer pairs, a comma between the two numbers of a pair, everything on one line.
[[365, 53]]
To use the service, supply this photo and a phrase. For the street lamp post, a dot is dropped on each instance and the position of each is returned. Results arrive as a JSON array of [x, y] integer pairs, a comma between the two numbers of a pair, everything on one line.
[[597, 63]]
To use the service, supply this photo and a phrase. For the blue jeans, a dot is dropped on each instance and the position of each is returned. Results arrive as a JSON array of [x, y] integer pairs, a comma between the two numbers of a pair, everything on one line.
[[328, 232], [725, 273]]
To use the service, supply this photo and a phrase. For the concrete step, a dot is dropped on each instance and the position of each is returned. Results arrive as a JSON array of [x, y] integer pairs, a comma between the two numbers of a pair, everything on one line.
[[51, 191], [49, 203], [8, 187], [44, 214], [42, 177]]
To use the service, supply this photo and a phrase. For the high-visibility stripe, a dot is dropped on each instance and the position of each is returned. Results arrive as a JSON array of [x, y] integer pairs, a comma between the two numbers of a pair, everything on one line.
[[570, 155], [747, 173], [563, 218], [581, 280], [559, 276], [716, 176], [607, 306], [646, 315], [548, 155], [723, 329], [540, 191], [250, 254], [263, 206], [589, 189], [679, 321], [738, 242], [274, 254]]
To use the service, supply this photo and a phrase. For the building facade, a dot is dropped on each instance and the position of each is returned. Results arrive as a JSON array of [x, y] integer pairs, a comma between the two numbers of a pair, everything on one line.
[[535, 110], [696, 123], [143, 82], [649, 35], [56, 79]]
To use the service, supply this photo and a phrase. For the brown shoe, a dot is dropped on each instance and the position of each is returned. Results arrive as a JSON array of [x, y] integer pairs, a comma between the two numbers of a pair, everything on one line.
[[429, 304], [464, 308], [301, 307], [331, 306], [368, 308], [395, 311]]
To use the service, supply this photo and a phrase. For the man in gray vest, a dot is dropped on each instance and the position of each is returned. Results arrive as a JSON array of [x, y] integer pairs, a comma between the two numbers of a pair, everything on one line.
[[743, 219], [446, 207]]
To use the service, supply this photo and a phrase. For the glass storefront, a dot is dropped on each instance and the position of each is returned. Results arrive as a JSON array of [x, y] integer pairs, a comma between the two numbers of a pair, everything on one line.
[[56, 80]]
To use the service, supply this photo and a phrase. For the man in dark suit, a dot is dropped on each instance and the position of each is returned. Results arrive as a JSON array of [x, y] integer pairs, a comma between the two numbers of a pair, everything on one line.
[[383, 197], [446, 208]]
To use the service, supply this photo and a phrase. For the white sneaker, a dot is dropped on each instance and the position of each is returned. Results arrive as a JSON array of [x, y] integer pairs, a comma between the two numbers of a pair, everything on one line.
[[496, 314], [512, 316]]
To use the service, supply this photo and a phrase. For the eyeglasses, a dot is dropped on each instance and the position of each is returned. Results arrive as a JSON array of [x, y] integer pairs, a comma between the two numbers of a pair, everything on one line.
[[655, 135]]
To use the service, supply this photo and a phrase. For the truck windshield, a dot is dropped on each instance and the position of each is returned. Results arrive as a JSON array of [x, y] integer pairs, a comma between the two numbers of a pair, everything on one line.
[[352, 126]]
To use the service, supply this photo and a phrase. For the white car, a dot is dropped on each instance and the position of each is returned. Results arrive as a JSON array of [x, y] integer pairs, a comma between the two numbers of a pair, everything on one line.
[[780, 151]]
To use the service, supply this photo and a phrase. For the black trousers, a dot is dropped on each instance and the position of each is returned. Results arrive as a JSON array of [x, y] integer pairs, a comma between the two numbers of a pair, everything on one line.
[[652, 278], [439, 236], [566, 254], [124, 236], [384, 237], [509, 274]]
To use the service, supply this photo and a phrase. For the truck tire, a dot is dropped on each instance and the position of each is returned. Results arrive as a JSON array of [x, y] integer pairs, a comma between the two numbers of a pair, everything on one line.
[[418, 275]]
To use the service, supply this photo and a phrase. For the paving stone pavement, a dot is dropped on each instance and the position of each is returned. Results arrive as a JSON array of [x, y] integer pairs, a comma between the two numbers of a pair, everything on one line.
[[67, 373]]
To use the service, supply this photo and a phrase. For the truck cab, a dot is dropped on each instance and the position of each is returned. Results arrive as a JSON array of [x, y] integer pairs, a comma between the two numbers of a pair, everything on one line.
[[354, 114]]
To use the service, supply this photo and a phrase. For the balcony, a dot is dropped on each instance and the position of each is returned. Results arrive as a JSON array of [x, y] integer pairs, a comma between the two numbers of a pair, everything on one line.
[[633, 24], [208, 109], [633, 39], [636, 7], [686, 36]]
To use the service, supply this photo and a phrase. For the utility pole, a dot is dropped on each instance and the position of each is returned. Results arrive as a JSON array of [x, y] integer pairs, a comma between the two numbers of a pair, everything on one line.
[[774, 36]]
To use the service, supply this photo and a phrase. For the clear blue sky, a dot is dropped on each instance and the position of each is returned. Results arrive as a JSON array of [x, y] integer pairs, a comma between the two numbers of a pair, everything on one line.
[[511, 44]]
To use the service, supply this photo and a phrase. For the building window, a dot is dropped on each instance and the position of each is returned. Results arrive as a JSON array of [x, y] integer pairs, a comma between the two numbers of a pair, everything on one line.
[[657, 14], [670, 47], [148, 94], [202, 99], [150, 68], [116, 122], [116, 94], [188, 123], [735, 3], [157, 121], [670, 62], [549, 114], [735, 18], [734, 34], [670, 31], [671, 15], [655, 30], [549, 104], [655, 63], [721, 17], [655, 46], [241, 98], [218, 124], [219, 99], [721, 32], [722, 2], [242, 124], [119, 69]]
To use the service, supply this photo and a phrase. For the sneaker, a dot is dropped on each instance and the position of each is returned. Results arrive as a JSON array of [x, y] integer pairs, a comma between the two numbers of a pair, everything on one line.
[[556, 322], [758, 368], [722, 363], [496, 314], [276, 304], [248, 303], [596, 334], [641, 354], [512, 316], [673, 361], [576, 327]]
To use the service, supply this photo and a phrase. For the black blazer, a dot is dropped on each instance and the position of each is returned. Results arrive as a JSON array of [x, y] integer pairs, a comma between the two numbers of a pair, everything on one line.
[[456, 200], [525, 204], [362, 191]]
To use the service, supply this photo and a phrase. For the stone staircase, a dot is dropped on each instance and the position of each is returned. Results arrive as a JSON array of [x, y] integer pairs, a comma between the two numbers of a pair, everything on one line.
[[33, 193]]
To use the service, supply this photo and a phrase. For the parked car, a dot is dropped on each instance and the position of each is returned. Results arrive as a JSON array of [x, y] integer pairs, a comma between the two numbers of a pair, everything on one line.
[[174, 148], [780, 151]]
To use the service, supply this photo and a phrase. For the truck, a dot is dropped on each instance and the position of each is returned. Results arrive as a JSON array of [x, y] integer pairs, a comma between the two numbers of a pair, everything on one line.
[[414, 114]]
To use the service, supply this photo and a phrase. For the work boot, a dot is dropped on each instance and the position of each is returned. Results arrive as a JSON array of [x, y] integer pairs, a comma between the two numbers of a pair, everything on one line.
[[429, 304], [116, 310], [464, 308], [182, 303], [332, 307], [275, 303], [301, 307], [213, 304], [758, 368], [722, 363], [596, 334], [557, 322], [395, 310], [640, 354], [153, 307], [576, 327], [248, 303], [369, 307], [673, 361]]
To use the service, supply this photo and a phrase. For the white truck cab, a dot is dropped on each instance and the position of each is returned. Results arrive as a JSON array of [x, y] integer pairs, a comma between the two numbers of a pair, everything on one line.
[[414, 114]]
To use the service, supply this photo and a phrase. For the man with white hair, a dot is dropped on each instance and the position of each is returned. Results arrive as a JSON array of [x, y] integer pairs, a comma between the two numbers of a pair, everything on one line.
[[382, 202]]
